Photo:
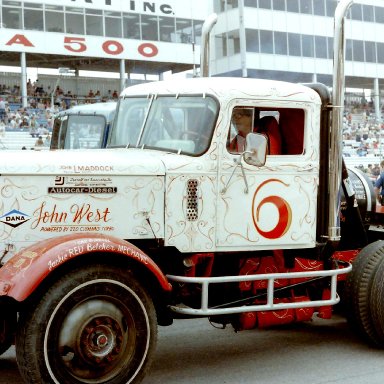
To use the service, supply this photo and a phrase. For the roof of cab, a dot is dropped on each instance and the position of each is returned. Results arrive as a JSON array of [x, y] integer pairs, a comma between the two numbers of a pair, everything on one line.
[[106, 109], [227, 88]]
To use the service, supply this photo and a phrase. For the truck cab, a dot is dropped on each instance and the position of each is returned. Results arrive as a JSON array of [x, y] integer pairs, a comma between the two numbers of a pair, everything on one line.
[[83, 126], [190, 126]]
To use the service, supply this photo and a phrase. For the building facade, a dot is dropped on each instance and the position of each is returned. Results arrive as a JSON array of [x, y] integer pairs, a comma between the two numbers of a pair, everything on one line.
[[126, 36], [293, 40], [288, 40]]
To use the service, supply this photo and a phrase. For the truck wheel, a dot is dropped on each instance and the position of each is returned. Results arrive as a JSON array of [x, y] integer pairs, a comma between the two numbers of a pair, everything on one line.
[[358, 291], [7, 330], [94, 325], [377, 304]]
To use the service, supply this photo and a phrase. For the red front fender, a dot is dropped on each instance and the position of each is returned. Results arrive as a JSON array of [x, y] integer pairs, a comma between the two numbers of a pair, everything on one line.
[[20, 276]]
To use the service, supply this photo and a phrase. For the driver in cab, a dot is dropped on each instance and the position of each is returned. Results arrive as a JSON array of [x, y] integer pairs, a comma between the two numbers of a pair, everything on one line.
[[247, 120]]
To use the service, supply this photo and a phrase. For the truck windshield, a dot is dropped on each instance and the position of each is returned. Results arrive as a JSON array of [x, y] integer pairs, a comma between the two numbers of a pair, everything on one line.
[[78, 132], [182, 124]]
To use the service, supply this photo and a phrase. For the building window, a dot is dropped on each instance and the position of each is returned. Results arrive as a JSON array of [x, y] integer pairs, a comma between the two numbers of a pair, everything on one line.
[[12, 18], [231, 4], [308, 45], [33, 19], [233, 41], [379, 14], [370, 51], [94, 22], [294, 46], [197, 27], [54, 18], [217, 6], [368, 13], [380, 53], [184, 31], [250, 3], [265, 4], [33, 5], [167, 29], [348, 50], [74, 20], [358, 50], [306, 6], [149, 28], [331, 7], [293, 6], [321, 47], [131, 26], [252, 40], [278, 5], [330, 47], [319, 7], [356, 12], [113, 26], [221, 45], [280, 43], [266, 42]]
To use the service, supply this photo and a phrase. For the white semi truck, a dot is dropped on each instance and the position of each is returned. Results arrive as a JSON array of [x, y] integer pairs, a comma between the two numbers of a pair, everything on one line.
[[99, 247]]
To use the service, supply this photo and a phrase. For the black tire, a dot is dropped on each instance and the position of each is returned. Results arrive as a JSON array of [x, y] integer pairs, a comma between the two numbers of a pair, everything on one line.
[[94, 325], [358, 290], [7, 330], [377, 304]]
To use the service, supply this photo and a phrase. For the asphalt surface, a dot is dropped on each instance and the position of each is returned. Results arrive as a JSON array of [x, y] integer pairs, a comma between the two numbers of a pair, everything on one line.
[[193, 352]]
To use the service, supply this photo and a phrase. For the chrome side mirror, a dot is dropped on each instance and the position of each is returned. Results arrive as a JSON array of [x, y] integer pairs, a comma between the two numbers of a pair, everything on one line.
[[256, 147]]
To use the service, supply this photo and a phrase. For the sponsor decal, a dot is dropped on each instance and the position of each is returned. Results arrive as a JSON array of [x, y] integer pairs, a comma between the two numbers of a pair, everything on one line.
[[95, 245], [82, 190], [59, 180], [78, 184], [78, 215], [14, 218], [76, 218], [86, 168]]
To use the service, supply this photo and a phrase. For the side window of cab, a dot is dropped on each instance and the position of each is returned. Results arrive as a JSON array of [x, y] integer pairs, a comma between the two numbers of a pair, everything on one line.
[[283, 127]]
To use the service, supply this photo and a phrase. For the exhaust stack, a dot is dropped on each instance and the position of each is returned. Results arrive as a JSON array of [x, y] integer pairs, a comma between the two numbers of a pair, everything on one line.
[[209, 23], [335, 156]]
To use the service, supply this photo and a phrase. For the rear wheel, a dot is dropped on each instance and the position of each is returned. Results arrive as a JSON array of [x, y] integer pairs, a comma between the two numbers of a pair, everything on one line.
[[377, 304], [359, 290], [95, 325]]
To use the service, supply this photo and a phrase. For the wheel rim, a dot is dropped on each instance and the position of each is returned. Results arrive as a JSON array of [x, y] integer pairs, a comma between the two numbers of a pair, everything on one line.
[[96, 340], [93, 344]]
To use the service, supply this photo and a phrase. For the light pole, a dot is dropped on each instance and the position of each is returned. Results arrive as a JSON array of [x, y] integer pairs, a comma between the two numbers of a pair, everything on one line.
[[62, 71]]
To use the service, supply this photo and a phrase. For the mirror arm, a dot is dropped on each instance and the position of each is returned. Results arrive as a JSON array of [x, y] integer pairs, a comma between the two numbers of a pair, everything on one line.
[[246, 190], [238, 162]]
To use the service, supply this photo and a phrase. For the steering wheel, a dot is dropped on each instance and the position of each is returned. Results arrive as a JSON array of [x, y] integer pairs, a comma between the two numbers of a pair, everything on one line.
[[190, 135]]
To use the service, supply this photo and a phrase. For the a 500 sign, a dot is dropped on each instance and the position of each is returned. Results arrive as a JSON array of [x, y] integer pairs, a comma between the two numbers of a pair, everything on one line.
[[80, 45]]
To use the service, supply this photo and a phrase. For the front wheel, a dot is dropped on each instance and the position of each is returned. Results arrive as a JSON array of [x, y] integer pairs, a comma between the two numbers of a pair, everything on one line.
[[94, 325]]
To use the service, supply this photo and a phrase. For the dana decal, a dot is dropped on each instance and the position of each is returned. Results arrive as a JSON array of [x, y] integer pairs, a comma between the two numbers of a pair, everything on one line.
[[14, 218]]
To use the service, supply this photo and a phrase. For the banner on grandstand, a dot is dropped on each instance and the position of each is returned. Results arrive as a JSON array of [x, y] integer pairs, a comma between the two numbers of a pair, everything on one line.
[[92, 46], [179, 8]]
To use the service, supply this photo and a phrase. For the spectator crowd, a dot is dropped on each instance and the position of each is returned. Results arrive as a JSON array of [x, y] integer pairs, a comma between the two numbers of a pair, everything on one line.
[[38, 117]]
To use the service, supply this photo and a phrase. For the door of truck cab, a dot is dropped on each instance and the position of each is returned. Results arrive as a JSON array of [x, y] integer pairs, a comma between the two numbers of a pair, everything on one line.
[[271, 205]]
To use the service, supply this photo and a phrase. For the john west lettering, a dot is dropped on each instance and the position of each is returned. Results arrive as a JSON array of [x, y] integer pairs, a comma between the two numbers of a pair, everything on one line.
[[132, 5]]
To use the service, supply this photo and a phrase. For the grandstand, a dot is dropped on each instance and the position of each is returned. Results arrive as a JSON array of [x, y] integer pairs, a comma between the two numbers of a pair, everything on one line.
[[19, 139], [79, 86]]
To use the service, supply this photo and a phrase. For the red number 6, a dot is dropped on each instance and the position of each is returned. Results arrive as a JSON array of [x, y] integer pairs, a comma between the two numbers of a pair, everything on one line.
[[285, 213]]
